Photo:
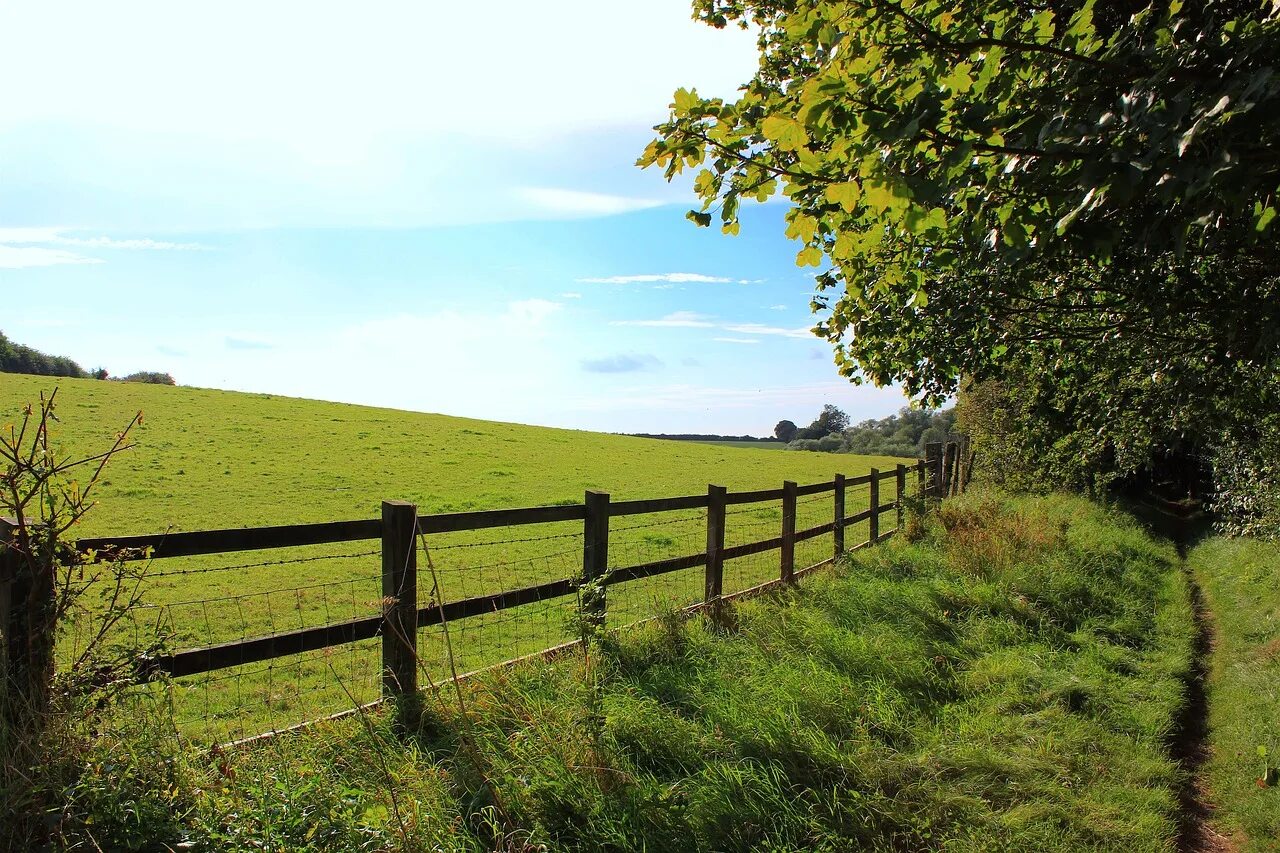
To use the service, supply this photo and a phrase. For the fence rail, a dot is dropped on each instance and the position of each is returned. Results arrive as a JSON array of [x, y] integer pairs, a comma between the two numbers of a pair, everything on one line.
[[402, 531]]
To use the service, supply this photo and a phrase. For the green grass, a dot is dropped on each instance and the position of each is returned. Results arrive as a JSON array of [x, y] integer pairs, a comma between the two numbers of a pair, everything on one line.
[[1009, 682], [1240, 579], [215, 459]]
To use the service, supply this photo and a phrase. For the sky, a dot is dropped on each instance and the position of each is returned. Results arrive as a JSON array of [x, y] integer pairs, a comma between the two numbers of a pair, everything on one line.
[[401, 204]]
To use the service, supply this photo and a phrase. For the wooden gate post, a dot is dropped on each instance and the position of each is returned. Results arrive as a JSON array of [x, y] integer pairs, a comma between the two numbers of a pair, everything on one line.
[[949, 469], [837, 531], [875, 506], [933, 462], [717, 500], [965, 455], [400, 607], [789, 531], [595, 557], [902, 493]]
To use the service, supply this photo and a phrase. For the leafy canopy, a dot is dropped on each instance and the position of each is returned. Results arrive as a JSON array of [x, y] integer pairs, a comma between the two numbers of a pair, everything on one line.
[[987, 183]]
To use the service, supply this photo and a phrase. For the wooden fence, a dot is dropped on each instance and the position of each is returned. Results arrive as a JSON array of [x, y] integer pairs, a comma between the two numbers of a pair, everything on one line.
[[941, 473]]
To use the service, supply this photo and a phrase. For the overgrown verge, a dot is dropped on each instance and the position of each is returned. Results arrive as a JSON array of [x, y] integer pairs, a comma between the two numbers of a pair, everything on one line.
[[1240, 579], [1008, 681]]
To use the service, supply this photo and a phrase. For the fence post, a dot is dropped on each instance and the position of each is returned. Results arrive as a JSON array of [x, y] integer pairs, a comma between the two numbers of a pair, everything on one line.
[[875, 506], [400, 610], [949, 469], [595, 557], [716, 503], [9, 615], [933, 461], [837, 532], [789, 531], [902, 493]]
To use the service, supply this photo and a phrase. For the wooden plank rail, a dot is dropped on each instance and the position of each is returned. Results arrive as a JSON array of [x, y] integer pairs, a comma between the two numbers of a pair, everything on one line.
[[758, 496], [657, 567], [198, 542], [238, 652], [484, 519], [594, 513], [617, 508]]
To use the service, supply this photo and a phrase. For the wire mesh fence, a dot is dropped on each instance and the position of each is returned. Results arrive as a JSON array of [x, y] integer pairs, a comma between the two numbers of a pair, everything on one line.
[[274, 637]]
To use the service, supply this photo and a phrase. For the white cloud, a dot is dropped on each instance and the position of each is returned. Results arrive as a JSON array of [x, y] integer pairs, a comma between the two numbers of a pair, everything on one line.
[[23, 257], [562, 202], [571, 296], [690, 320], [777, 308], [669, 277], [58, 237], [736, 340], [758, 329], [21, 248], [676, 319]]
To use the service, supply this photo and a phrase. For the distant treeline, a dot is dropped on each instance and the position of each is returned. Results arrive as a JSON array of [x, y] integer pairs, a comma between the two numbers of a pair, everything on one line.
[[903, 434], [17, 358], [689, 436]]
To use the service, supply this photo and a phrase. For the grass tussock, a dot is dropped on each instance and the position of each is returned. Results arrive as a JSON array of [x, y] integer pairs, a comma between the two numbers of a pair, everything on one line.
[[1009, 681], [1240, 580]]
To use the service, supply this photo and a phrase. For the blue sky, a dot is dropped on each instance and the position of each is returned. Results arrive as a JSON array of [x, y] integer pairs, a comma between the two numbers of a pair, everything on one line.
[[288, 197]]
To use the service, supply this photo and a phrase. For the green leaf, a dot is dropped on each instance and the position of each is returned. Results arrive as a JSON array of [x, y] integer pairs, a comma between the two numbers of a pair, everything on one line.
[[1264, 220], [686, 100], [801, 227], [810, 256], [882, 196], [845, 194], [960, 80], [788, 133]]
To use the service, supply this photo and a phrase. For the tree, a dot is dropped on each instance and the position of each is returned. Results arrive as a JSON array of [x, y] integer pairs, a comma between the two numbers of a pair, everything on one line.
[[785, 430], [982, 178], [831, 419]]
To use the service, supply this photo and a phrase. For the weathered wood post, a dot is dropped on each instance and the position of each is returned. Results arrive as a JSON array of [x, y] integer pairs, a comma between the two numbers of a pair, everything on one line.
[[9, 615], [28, 606], [902, 493], [933, 461], [965, 464], [789, 531], [595, 557], [837, 531], [875, 506], [717, 500], [949, 469], [400, 607]]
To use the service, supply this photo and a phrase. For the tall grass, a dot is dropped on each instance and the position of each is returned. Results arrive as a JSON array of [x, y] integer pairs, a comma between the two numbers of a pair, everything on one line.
[[1240, 579], [1008, 681]]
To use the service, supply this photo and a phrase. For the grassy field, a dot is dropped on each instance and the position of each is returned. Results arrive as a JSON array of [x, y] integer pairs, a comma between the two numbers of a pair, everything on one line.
[[752, 445], [213, 459], [1008, 682], [1241, 583]]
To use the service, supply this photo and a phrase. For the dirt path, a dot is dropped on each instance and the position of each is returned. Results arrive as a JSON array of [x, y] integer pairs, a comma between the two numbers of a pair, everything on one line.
[[1182, 523], [1191, 746]]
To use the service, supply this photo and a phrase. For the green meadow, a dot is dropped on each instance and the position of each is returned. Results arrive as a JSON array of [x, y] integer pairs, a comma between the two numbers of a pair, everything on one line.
[[207, 459]]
